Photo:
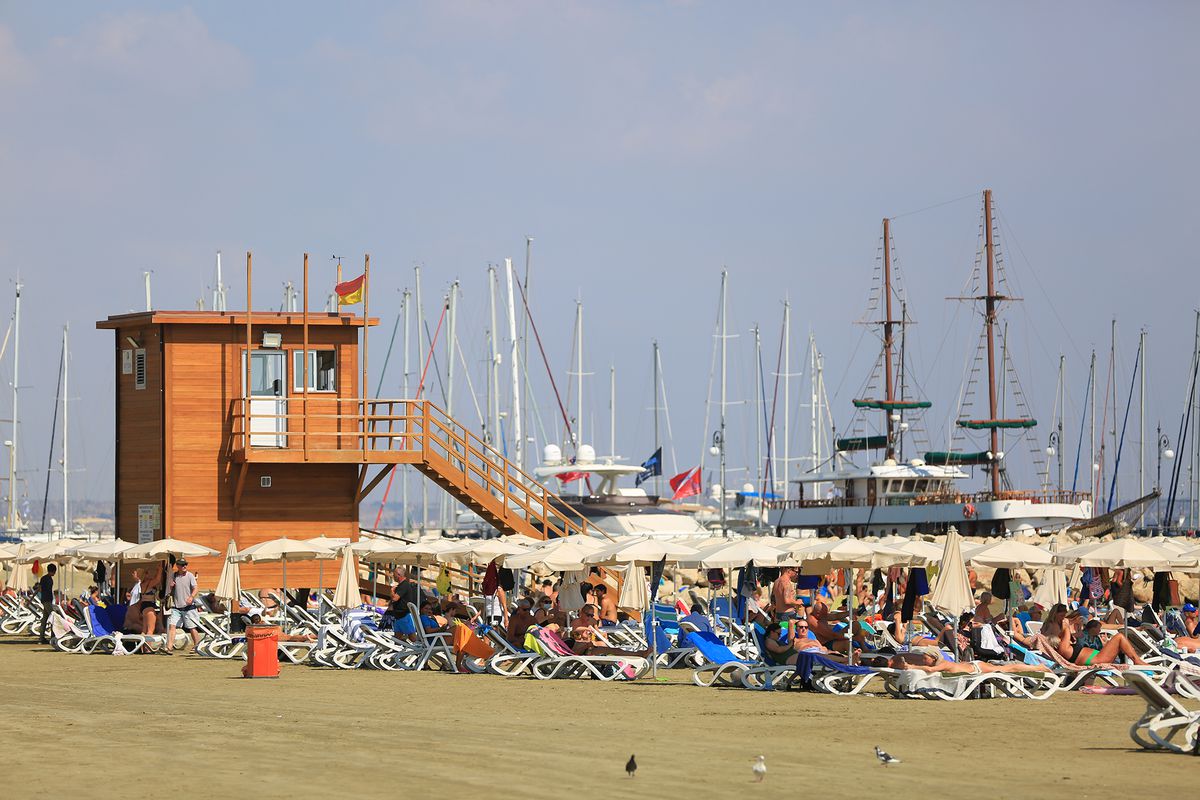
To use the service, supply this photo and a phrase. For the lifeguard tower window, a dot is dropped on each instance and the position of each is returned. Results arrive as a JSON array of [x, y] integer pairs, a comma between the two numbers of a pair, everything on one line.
[[322, 369], [139, 369]]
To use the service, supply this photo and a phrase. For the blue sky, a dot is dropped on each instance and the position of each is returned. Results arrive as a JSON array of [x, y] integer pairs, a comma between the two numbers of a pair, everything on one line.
[[644, 146]]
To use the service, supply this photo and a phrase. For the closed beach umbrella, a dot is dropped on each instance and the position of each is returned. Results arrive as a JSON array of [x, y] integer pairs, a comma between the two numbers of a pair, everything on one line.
[[229, 585], [1052, 585], [333, 544], [347, 594], [952, 594], [633, 589], [20, 576]]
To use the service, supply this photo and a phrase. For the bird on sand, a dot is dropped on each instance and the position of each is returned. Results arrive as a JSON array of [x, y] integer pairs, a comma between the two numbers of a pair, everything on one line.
[[760, 769], [884, 758], [630, 767]]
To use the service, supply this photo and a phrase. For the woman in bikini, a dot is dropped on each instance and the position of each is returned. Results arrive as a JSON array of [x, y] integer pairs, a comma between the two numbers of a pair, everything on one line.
[[586, 638], [1073, 646]]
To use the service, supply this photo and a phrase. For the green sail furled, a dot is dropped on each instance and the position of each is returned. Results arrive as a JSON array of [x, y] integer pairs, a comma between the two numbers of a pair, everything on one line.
[[861, 443], [989, 424], [954, 457], [893, 405]]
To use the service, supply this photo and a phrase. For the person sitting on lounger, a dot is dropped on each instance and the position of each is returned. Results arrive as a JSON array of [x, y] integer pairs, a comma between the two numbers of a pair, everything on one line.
[[519, 622], [779, 653], [608, 605], [94, 598], [697, 619], [1072, 646], [819, 621], [430, 622], [983, 611], [588, 640]]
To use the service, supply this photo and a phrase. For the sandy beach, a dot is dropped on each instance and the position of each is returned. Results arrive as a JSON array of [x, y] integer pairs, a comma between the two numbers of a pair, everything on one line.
[[76, 726]]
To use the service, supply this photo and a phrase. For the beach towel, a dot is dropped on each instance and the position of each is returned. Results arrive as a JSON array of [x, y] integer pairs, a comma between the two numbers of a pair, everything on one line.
[[491, 579], [466, 642]]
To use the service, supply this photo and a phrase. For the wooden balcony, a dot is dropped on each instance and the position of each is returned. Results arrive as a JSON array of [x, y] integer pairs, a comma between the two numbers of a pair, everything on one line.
[[390, 432]]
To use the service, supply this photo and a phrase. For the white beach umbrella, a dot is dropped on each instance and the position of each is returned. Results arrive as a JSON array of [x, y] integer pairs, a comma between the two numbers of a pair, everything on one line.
[[347, 594], [7, 553], [110, 550], [641, 550], [163, 549], [55, 550], [824, 555], [737, 553], [1010, 554], [926, 552], [952, 594], [564, 555], [283, 550], [1177, 543], [229, 585], [478, 552], [1124, 553], [379, 550]]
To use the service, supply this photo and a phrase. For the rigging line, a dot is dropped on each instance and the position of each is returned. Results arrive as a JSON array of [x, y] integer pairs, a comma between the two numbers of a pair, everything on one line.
[[935, 205], [712, 368], [662, 382], [1054, 310], [1079, 444], [420, 388], [1121, 445], [1184, 424], [53, 428], [774, 401], [437, 371], [467, 374], [546, 361]]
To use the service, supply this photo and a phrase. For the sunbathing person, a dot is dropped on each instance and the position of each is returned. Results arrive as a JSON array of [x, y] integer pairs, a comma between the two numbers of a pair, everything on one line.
[[899, 631], [519, 623], [1073, 646], [930, 660], [608, 605], [431, 622], [819, 619], [588, 640], [780, 654]]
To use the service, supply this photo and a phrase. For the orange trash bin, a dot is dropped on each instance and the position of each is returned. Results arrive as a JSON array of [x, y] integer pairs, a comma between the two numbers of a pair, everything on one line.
[[262, 653]]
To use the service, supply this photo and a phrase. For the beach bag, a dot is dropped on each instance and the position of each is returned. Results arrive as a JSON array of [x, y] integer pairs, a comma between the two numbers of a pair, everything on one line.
[[491, 579], [443, 581]]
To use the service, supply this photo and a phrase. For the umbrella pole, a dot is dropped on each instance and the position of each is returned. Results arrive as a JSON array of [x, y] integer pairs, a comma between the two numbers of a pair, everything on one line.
[[283, 624], [851, 601]]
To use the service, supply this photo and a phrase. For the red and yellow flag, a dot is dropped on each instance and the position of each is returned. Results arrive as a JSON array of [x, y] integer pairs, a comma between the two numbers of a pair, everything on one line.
[[350, 292]]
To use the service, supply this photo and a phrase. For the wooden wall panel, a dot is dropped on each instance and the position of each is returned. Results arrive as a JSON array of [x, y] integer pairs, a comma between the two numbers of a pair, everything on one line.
[[139, 462]]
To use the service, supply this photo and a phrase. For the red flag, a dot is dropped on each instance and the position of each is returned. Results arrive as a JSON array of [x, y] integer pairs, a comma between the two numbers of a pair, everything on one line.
[[686, 484], [36, 569], [567, 477], [350, 292]]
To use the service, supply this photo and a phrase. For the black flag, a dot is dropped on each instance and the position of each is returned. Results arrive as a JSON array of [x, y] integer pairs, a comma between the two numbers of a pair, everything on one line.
[[650, 467]]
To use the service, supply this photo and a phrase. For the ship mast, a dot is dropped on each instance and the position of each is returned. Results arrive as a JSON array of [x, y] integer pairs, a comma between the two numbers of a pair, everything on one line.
[[990, 301], [888, 338]]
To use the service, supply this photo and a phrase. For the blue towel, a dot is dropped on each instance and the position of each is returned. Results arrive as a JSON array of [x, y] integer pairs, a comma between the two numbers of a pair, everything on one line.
[[806, 660]]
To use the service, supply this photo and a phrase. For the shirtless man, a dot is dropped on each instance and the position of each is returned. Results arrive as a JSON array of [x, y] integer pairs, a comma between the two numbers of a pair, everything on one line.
[[983, 611], [819, 619], [608, 606], [588, 640], [783, 595]]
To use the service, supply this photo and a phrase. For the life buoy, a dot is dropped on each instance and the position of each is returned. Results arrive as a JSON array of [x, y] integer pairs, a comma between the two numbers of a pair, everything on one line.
[[968, 511]]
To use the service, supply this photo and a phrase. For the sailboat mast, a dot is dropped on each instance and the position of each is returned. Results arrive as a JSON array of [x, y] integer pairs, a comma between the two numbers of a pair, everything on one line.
[[421, 358], [657, 478], [787, 378], [990, 324], [405, 302], [1092, 465], [66, 525], [1142, 416], [494, 372], [1062, 389], [724, 343], [518, 436], [612, 410], [451, 345], [889, 388], [578, 374], [12, 442], [758, 411]]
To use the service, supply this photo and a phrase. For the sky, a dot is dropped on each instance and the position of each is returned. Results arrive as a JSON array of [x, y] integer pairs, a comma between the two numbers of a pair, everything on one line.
[[645, 147]]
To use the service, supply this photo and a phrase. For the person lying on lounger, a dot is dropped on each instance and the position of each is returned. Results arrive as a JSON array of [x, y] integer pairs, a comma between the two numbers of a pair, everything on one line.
[[588, 640], [930, 660]]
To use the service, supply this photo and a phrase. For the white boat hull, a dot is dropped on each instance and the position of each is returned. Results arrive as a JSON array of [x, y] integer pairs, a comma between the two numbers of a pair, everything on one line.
[[988, 516]]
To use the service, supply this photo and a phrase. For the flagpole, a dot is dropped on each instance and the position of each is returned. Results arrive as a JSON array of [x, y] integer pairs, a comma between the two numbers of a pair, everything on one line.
[[366, 290], [246, 385]]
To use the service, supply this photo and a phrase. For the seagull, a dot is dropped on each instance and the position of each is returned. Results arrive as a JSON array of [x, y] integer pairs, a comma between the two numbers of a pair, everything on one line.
[[884, 758], [630, 767], [760, 769]]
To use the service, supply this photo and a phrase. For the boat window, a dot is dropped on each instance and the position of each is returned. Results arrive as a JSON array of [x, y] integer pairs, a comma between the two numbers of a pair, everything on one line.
[[910, 486], [322, 370]]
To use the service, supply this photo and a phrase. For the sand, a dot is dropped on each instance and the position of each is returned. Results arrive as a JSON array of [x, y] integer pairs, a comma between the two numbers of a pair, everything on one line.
[[85, 726]]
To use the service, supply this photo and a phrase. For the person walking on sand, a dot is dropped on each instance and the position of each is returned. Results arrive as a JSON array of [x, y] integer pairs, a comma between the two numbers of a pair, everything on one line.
[[184, 611], [46, 592]]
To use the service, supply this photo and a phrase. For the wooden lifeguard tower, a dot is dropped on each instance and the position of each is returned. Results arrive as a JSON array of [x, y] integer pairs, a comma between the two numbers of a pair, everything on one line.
[[251, 425]]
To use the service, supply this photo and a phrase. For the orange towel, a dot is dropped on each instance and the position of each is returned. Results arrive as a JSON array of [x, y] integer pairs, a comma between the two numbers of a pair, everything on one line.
[[466, 642]]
